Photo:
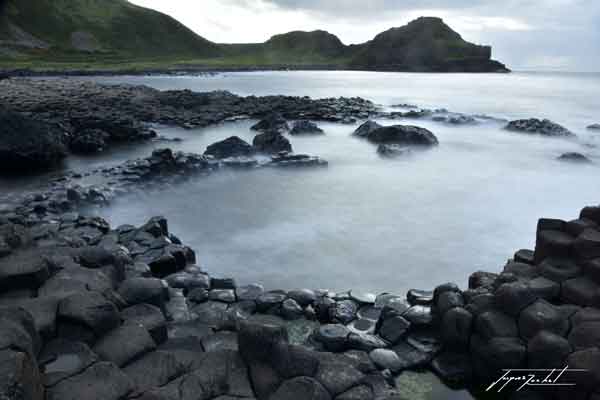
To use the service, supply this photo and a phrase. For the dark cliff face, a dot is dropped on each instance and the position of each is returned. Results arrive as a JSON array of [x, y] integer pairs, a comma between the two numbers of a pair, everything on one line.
[[426, 44]]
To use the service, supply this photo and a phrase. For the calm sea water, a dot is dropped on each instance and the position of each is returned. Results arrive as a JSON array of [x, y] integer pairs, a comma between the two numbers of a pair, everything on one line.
[[371, 223]]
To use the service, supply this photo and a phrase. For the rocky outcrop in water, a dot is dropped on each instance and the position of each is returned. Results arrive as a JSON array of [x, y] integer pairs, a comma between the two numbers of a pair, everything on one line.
[[28, 145], [402, 135], [230, 147], [594, 127], [305, 127], [574, 158], [542, 127], [271, 143], [366, 128], [393, 150]]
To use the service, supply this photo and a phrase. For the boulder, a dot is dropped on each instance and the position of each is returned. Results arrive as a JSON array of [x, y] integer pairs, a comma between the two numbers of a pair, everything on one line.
[[272, 123], [581, 291], [333, 336], [338, 377], [542, 127], [492, 324], [591, 213], [101, 381], [148, 316], [419, 297], [220, 341], [585, 334], [301, 388], [574, 157], [594, 127], [591, 269], [89, 311], [249, 292], [419, 316], [28, 145], [410, 357], [362, 392], [547, 350], [552, 243], [230, 147], [587, 360], [154, 369], [386, 359], [587, 245], [269, 301], [544, 288], [456, 328], [512, 298], [525, 256], [448, 300], [454, 368], [541, 316], [491, 357], [393, 329], [271, 143], [304, 297], [144, 290], [285, 160], [291, 310], [305, 127], [577, 226], [23, 270], [124, 344], [559, 269], [402, 135], [366, 128], [344, 311], [64, 358]]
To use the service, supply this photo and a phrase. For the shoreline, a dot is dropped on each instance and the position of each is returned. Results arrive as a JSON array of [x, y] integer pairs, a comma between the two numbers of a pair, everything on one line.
[[144, 320]]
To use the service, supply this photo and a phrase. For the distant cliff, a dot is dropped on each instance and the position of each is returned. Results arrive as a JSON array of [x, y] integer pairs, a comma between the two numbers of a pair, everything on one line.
[[103, 33]]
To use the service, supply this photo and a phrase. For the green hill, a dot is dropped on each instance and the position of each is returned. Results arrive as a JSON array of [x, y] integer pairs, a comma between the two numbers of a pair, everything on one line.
[[117, 35], [58, 28]]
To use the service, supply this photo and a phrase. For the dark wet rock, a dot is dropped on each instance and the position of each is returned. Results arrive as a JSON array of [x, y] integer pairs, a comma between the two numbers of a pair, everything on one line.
[[552, 243], [144, 290], [444, 288], [453, 368], [482, 279], [366, 128], [419, 297], [524, 256], [512, 298], [42, 310], [101, 381], [541, 316], [544, 288], [585, 334], [285, 160], [271, 143], [521, 270], [222, 295], [365, 341], [386, 359], [581, 291], [591, 213], [362, 297], [449, 300], [493, 324], [301, 388], [211, 313], [270, 301], [273, 122], [369, 312], [543, 127], [591, 269], [303, 297], [577, 226], [249, 292], [223, 283], [393, 150], [587, 245], [547, 350], [338, 377], [344, 311], [333, 336], [26, 269], [89, 141], [186, 350], [559, 270], [419, 315], [322, 307], [230, 147], [154, 369], [90, 311], [305, 127], [63, 359], [393, 329], [27, 144], [362, 326], [411, 357], [362, 392], [220, 341], [594, 127], [402, 135], [148, 316], [188, 281], [493, 356], [124, 344], [290, 309], [480, 304], [574, 158], [456, 328], [19, 376]]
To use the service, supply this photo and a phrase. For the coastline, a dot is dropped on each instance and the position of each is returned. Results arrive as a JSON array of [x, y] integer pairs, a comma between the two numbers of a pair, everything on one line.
[[540, 311]]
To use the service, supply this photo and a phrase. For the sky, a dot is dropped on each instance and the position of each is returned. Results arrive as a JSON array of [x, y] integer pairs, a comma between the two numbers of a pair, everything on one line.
[[524, 34]]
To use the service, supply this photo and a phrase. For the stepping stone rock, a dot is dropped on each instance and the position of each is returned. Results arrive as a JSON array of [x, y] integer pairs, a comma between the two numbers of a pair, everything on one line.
[[63, 359], [453, 368], [144, 290], [547, 350], [90, 310], [344, 311], [154, 369], [269, 301], [512, 298], [392, 301], [249, 292], [101, 381], [456, 328], [302, 388], [446, 287], [338, 377], [212, 313], [305, 127], [149, 317], [491, 357], [26, 269], [371, 313], [386, 359], [188, 281], [361, 392], [541, 316], [220, 341], [449, 300], [581, 291], [362, 297], [304, 297], [291, 310], [419, 315], [366, 342], [419, 297], [42, 309], [333, 336], [411, 357], [222, 295], [124, 344], [366, 128], [492, 324], [393, 329]]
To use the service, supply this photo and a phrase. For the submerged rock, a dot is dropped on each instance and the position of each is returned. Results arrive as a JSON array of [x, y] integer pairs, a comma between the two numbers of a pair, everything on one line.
[[271, 142], [296, 160], [366, 128], [574, 157], [402, 135], [594, 127], [230, 147], [392, 150], [542, 127], [272, 123], [304, 127]]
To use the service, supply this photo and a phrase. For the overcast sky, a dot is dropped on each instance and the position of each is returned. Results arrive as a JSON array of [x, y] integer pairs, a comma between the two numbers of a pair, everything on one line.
[[525, 34]]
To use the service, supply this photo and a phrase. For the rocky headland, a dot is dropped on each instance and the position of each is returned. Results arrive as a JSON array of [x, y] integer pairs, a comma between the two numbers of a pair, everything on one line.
[[92, 311]]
